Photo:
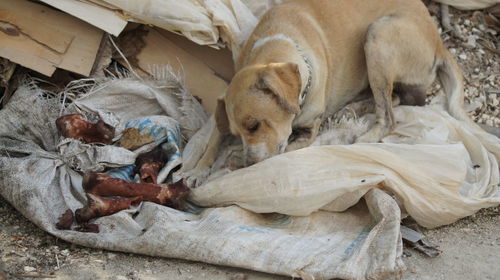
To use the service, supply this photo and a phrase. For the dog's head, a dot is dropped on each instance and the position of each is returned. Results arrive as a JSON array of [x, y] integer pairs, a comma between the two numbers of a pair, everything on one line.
[[259, 106]]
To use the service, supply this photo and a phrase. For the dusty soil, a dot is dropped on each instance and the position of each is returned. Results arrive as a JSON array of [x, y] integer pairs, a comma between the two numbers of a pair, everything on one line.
[[471, 247]]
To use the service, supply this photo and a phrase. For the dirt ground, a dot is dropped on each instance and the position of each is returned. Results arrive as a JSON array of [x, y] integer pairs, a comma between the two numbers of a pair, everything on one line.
[[471, 247]]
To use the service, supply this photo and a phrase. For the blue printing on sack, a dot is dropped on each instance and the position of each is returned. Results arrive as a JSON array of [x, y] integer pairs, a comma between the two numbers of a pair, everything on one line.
[[252, 229], [124, 172], [162, 134], [362, 236]]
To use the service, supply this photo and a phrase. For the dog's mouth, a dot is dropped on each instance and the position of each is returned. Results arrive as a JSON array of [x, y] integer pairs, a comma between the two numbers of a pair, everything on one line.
[[298, 133]]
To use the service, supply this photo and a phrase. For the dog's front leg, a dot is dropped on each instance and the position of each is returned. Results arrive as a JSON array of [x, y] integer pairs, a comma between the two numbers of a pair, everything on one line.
[[303, 137]]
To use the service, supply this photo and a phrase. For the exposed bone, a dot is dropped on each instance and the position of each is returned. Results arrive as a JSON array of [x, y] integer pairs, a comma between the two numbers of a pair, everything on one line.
[[171, 195], [103, 206], [74, 126], [149, 164], [88, 227], [66, 220]]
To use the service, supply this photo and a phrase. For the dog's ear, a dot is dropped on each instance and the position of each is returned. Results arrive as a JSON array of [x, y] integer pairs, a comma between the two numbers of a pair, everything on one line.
[[283, 80], [221, 117]]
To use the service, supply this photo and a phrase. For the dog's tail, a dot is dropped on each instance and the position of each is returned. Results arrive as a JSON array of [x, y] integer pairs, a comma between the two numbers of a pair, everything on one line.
[[451, 80]]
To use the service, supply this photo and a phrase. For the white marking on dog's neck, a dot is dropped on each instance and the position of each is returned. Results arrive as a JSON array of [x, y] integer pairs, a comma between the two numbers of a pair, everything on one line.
[[280, 36], [262, 41]]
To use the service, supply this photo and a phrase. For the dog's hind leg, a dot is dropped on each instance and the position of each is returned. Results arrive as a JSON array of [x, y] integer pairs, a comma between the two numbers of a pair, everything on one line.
[[397, 51], [379, 66]]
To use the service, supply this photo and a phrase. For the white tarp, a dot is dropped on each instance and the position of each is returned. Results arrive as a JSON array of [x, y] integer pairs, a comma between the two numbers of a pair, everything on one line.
[[469, 4]]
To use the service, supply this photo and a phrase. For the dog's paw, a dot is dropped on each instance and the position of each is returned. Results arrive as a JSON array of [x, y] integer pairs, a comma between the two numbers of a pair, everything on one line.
[[374, 135], [300, 138], [298, 144]]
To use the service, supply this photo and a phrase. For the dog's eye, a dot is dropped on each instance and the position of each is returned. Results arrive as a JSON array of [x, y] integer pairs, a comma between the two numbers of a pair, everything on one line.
[[254, 126]]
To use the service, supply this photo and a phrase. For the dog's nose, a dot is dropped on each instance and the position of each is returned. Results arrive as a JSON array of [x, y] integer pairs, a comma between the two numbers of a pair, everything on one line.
[[250, 161], [256, 153]]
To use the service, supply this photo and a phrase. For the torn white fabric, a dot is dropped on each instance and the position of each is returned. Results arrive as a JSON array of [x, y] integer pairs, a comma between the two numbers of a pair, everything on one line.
[[203, 22], [469, 4]]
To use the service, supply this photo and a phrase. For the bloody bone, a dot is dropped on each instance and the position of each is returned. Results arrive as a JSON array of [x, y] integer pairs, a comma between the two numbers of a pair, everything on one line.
[[103, 206], [171, 195], [88, 227], [149, 164], [74, 126], [66, 220]]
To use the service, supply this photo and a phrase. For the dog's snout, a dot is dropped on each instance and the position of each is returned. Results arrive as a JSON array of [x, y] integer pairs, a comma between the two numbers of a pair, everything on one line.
[[260, 152], [250, 161], [256, 153]]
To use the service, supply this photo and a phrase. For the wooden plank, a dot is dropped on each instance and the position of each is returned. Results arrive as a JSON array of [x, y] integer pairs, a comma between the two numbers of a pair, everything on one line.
[[79, 56], [101, 3], [220, 61], [202, 81], [33, 21], [97, 16], [82, 53], [28, 53]]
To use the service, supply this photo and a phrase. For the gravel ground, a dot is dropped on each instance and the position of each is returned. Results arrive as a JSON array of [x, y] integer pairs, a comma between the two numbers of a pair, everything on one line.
[[471, 247]]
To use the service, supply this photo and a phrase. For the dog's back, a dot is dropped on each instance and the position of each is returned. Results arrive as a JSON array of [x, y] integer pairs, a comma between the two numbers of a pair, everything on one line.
[[335, 31]]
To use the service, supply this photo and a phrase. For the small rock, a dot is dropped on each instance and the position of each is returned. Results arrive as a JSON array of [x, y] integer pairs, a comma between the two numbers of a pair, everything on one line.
[[463, 56], [239, 276], [29, 269], [476, 31], [471, 42], [134, 275], [494, 100]]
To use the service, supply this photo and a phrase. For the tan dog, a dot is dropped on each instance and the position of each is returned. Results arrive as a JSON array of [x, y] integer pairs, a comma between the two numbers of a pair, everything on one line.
[[307, 58]]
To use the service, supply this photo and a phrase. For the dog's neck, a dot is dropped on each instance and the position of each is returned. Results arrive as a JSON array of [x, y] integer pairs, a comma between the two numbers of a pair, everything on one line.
[[297, 56]]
